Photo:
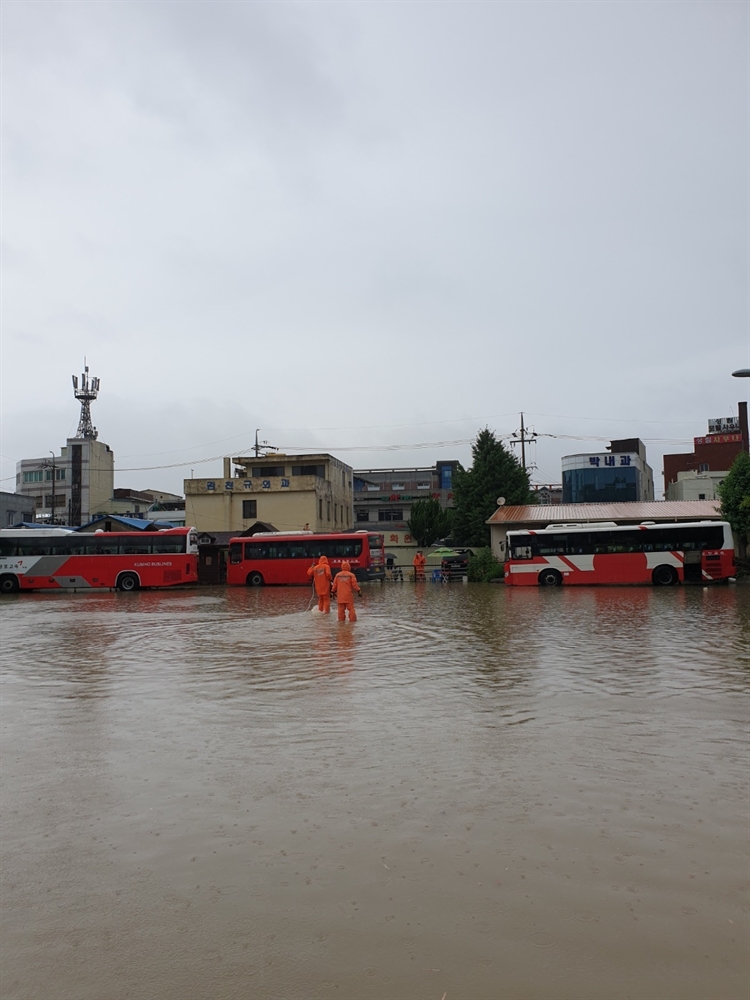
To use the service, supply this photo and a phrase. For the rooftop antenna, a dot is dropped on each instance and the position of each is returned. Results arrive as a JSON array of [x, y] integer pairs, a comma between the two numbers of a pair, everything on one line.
[[86, 394]]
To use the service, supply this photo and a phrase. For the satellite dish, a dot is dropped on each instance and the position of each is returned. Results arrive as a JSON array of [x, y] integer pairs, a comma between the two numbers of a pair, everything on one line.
[[501, 501]]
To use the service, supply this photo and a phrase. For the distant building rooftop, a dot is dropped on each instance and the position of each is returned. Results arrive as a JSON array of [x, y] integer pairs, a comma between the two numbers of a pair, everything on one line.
[[622, 513]]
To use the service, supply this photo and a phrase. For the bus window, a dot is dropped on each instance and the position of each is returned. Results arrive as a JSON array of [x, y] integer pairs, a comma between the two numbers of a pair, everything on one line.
[[169, 543], [521, 552], [235, 552], [135, 546]]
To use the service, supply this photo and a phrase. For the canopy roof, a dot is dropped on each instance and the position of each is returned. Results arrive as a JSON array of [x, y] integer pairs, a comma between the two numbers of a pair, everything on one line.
[[621, 513]]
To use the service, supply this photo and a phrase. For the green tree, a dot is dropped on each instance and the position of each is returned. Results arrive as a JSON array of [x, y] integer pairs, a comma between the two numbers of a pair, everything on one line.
[[428, 522], [734, 492], [495, 472]]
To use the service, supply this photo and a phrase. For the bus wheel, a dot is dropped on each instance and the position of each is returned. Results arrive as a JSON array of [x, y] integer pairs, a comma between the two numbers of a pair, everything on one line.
[[127, 582], [9, 583], [255, 580], [550, 578], [664, 576]]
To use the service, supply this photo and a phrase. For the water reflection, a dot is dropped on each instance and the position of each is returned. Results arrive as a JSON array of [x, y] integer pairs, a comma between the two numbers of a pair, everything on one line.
[[472, 790]]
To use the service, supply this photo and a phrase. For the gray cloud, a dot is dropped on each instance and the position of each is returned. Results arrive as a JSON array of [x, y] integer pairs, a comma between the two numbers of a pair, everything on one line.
[[328, 215]]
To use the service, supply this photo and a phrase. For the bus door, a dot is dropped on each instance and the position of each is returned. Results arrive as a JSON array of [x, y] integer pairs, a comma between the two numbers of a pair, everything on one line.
[[692, 570]]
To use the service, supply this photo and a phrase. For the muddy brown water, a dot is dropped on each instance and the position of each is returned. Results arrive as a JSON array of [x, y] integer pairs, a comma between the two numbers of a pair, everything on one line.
[[472, 792]]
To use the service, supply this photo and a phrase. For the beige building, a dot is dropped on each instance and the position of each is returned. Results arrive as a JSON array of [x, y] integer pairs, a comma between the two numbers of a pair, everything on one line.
[[292, 492], [68, 488]]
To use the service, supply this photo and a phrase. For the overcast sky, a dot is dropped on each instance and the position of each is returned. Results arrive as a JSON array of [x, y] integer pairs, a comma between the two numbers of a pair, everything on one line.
[[364, 227]]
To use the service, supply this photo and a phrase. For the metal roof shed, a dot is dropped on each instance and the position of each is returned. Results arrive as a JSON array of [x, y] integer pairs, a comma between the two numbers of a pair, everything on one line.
[[540, 515]]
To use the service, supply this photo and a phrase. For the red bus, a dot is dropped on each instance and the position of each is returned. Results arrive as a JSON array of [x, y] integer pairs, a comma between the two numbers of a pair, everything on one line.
[[60, 559], [278, 558], [661, 554]]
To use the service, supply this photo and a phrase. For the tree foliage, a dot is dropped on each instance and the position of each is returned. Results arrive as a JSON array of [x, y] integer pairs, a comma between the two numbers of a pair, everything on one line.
[[428, 522], [734, 492], [495, 472]]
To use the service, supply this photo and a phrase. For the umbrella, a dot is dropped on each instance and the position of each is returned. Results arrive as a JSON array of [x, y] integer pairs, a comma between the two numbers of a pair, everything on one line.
[[440, 554]]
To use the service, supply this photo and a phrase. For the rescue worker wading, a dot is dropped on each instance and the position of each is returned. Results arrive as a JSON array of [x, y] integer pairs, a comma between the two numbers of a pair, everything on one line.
[[419, 561], [344, 585], [321, 574]]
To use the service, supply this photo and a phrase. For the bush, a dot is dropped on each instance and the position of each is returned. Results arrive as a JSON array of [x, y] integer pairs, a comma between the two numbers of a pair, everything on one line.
[[484, 567]]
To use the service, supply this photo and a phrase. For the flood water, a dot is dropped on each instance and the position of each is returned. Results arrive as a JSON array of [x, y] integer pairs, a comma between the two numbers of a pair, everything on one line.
[[472, 792]]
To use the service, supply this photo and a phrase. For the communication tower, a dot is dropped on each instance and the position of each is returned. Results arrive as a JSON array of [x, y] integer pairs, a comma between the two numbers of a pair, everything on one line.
[[87, 393]]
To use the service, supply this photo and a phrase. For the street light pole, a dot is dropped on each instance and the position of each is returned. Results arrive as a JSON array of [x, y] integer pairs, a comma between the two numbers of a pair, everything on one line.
[[742, 407]]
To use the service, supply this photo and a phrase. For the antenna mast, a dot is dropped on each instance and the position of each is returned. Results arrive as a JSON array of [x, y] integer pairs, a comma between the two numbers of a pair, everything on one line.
[[86, 394]]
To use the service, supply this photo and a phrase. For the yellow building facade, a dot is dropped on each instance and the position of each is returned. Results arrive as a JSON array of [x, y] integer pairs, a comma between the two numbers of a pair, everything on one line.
[[292, 492]]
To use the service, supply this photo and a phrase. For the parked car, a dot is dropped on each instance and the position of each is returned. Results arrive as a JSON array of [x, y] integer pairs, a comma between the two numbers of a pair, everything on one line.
[[457, 565]]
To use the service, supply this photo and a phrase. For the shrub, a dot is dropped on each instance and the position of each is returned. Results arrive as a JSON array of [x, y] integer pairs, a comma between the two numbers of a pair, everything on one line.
[[483, 567]]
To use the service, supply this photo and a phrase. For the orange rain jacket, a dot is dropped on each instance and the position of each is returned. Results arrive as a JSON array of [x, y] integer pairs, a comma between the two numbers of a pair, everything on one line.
[[344, 583], [321, 574]]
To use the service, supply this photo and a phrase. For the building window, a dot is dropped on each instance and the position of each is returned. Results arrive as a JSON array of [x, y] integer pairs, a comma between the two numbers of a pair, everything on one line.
[[266, 471], [249, 509], [397, 486], [11, 517], [33, 477], [391, 514], [320, 510], [703, 467], [309, 470], [59, 474], [363, 515], [328, 510], [701, 496]]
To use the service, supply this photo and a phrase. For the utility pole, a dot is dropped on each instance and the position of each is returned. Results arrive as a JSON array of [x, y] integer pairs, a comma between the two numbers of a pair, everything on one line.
[[523, 438], [52, 517], [260, 446]]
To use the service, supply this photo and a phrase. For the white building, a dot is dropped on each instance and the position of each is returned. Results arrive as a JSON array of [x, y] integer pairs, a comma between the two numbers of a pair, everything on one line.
[[696, 486]]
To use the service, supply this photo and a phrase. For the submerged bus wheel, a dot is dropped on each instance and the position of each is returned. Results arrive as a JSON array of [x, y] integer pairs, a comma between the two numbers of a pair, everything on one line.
[[255, 580], [664, 576], [9, 583], [550, 578], [128, 581]]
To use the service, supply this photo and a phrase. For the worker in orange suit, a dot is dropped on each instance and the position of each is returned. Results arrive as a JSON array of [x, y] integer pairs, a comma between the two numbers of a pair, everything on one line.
[[344, 585], [419, 561], [321, 574]]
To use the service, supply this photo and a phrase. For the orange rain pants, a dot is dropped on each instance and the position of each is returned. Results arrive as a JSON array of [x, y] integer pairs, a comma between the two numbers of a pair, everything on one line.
[[344, 585], [321, 574], [419, 561]]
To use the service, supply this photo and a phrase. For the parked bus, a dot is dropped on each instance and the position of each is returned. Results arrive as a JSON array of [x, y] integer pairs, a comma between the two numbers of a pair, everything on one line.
[[661, 554], [278, 558], [60, 559]]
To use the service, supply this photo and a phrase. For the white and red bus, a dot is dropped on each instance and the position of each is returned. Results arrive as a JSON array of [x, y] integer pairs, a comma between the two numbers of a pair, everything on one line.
[[60, 559], [278, 558], [604, 552]]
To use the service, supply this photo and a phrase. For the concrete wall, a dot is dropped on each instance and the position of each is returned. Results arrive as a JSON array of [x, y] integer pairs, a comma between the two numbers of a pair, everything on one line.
[[695, 486]]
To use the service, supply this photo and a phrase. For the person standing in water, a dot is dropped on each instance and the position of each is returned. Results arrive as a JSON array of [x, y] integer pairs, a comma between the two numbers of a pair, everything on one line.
[[344, 585], [321, 574], [419, 561]]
